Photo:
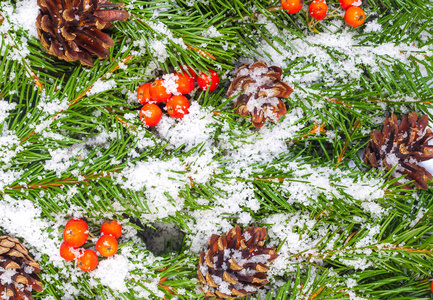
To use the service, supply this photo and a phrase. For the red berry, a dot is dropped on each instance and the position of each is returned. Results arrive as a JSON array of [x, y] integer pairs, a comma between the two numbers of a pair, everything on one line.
[[318, 9], [112, 228], [177, 106], [188, 70], [185, 83], [107, 245], [143, 94], [431, 286], [88, 260], [76, 232], [354, 16], [210, 79], [150, 114], [292, 6], [345, 4], [67, 252], [158, 92]]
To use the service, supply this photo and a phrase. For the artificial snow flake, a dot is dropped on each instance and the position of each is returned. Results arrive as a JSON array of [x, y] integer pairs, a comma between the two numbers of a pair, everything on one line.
[[156, 178]]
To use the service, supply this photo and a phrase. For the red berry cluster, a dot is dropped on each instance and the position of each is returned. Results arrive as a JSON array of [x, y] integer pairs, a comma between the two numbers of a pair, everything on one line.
[[318, 9], [76, 234], [151, 93]]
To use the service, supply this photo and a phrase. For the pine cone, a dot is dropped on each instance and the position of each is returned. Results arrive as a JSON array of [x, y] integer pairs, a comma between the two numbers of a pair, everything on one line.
[[71, 29], [18, 271], [403, 145], [262, 87], [235, 264]]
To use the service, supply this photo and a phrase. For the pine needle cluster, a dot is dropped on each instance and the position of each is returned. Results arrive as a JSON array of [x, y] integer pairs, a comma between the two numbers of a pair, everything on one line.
[[72, 145]]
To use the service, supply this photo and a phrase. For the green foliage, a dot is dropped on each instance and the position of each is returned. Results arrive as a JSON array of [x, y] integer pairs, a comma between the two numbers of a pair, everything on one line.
[[53, 109]]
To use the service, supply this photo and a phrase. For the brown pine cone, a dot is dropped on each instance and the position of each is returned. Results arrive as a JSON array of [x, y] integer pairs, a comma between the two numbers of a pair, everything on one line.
[[261, 88], [71, 29], [19, 268], [404, 145], [235, 264]]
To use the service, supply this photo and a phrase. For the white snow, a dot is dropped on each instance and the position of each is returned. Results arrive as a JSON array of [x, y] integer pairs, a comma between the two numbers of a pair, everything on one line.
[[113, 272], [5, 107], [23, 16], [156, 178], [193, 129], [101, 86], [22, 219], [169, 82]]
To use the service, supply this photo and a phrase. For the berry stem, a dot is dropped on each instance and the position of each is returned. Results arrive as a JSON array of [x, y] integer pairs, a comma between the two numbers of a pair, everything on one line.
[[274, 8], [313, 27], [333, 14]]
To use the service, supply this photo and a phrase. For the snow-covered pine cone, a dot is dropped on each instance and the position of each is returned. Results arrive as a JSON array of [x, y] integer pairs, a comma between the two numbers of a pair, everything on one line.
[[261, 88], [18, 271], [71, 29], [235, 264], [404, 145]]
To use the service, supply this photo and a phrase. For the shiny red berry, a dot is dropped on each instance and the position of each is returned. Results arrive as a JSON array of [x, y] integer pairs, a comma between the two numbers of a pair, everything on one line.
[[208, 80], [107, 245], [345, 4], [143, 94], [76, 232], [88, 260], [112, 228], [318, 9], [354, 16], [431, 286], [67, 252], [177, 106], [150, 114], [158, 92], [185, 83], [292, 6]]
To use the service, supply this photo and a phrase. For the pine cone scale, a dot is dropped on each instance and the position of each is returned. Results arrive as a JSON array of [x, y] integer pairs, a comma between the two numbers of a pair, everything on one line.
[[208, 260], [229, 279], [238, 293], [24, 278], [221, 295], [7, 263], [34, 283], [402, 146], [201, 277], [105, 39], [425, 154], [419, 179], [111, 15], [229, 271], [234, 266], [210, 281], [20, 279], [91, 45], [7, 241], [7, 291]]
